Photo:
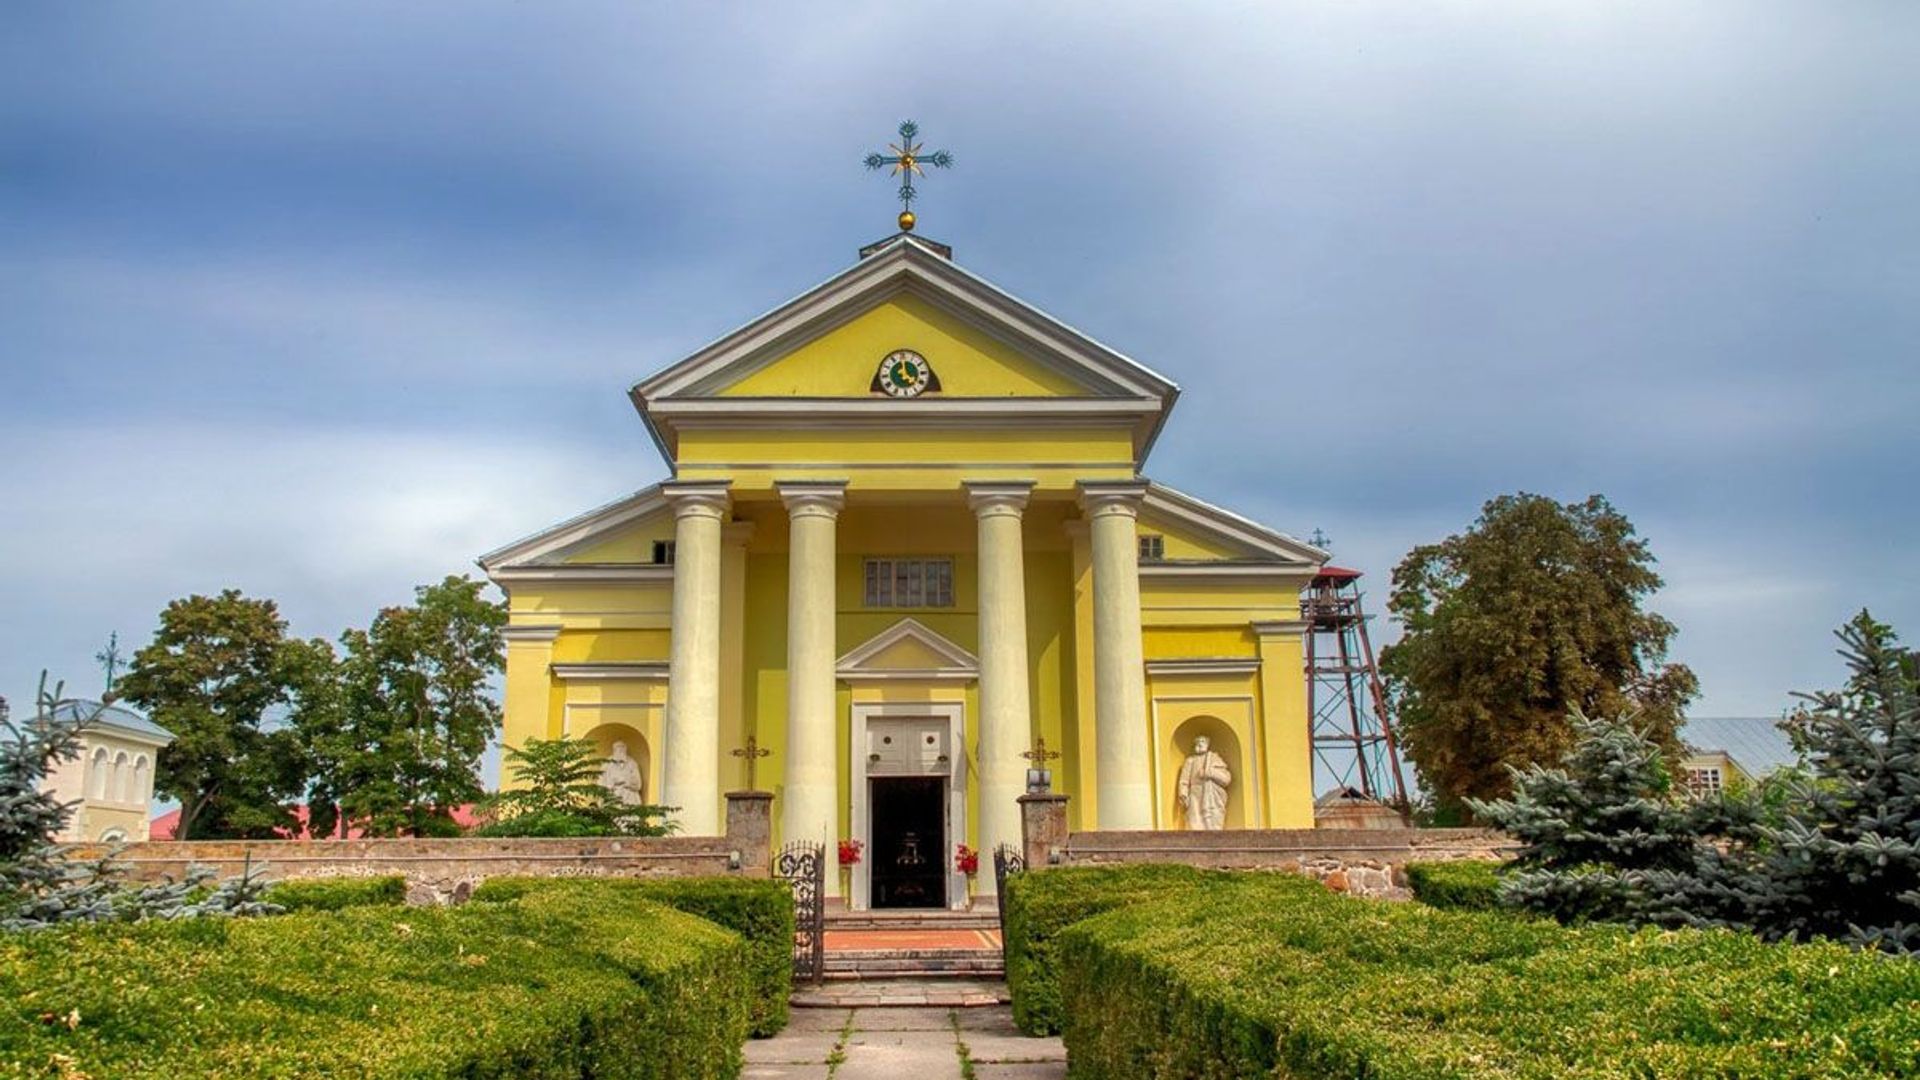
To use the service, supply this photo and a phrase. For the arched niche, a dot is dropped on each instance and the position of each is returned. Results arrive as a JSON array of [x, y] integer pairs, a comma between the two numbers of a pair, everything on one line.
[[142, 779], [1224, 742], [122, 778], [98, 770], [603, 736]]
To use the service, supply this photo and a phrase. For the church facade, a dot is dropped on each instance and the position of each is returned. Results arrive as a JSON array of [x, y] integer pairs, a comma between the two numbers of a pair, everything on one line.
[[907, 535]]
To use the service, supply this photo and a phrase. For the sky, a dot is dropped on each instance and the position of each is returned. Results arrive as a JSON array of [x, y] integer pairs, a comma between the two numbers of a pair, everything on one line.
[[321, 300]]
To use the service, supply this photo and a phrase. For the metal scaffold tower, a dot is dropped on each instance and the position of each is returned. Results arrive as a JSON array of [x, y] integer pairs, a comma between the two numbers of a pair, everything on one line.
[[1352, 730]]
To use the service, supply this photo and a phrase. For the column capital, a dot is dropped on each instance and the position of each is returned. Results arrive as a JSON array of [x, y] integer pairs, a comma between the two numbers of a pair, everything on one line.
[[1100, 498], [701, 498], [989, 497], [812, 498]]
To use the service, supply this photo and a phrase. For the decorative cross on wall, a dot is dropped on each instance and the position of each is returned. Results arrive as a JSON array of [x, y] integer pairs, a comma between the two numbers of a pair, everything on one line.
[[753, 752], [906, 159], [1040, 755]]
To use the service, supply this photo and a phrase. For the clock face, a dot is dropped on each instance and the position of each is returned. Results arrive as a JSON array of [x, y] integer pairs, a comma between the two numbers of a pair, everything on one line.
[[903, 374]]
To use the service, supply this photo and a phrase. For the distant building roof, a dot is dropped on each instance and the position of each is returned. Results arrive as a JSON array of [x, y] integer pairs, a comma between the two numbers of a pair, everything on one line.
[[164, 826], [1756, 743], [116, 717]]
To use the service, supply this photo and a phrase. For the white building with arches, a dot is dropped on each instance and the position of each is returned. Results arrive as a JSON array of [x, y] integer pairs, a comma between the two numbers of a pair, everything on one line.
[[112, 779]]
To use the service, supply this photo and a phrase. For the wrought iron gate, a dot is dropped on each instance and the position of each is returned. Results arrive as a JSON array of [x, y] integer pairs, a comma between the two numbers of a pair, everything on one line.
[[803, 867], [1007, 861]]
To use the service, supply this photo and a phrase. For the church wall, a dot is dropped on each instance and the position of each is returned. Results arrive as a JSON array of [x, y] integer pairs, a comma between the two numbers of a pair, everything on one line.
[[916, 459]]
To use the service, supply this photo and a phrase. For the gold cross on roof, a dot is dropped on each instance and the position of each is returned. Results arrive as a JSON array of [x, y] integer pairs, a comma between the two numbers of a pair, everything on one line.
[[907, 159]]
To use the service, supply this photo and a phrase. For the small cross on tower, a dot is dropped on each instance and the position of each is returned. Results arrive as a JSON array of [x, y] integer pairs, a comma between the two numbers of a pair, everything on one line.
[[906, 159], [753, 752], [110, 659]]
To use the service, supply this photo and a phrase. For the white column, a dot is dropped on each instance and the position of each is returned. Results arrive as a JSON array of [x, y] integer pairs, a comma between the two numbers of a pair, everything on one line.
[[808, 806], [1119, 672], [690, 762], [1005, 725]]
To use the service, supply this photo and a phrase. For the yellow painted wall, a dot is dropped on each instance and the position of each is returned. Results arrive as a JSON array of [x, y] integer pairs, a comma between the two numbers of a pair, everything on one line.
[[969, 361], [918, 458]]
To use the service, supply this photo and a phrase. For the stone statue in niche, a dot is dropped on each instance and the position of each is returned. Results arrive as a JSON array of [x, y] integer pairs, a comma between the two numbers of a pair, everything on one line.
[[1202, 789], [621, 775]]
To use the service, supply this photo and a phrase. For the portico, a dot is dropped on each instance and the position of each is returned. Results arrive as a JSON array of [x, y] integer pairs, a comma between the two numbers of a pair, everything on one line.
[[906, 505]]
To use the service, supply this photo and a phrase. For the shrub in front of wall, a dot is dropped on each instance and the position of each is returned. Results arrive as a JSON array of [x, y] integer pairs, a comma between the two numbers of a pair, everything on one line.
[[1270, 975], [1041, 903], [332, 894], [587, 983], [758, 909], [1464, 884]]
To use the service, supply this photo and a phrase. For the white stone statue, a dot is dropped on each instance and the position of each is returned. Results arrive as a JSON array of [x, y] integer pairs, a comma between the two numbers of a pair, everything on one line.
[[621, 775], [1202, 790]]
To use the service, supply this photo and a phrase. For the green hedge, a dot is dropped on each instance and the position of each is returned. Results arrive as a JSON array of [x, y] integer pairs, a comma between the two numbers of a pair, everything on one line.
[[1041, 903], [757, 909], [1272, 975], [563, 983], [1463, 885], [332, 894]]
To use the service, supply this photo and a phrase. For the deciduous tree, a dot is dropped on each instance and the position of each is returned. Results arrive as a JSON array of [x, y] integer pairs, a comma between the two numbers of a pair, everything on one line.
[[224, 678], [414, 711], [1531, 615]]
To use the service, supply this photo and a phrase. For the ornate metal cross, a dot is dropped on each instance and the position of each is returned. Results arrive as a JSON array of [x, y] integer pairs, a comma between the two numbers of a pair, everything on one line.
[[1040, 755], [753, 753], [110, 659], [907, 159]]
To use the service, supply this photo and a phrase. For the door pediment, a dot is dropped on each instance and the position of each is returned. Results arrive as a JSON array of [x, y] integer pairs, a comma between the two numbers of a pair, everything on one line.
[[907, 650]]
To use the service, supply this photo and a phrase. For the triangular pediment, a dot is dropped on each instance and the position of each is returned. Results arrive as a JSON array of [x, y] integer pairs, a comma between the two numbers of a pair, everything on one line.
[[621, 533], [989, 354], [1198, 531], [908, 649]]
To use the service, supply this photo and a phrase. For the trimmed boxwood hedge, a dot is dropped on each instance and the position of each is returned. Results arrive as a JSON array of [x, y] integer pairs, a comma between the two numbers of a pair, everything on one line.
[[1464, 885], [1249, 975], [332, 894], [1041, 903], [759, 910], [582, 982]]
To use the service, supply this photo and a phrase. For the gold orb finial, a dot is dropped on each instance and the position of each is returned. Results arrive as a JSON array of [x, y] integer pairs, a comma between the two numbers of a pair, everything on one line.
[[906, 221]]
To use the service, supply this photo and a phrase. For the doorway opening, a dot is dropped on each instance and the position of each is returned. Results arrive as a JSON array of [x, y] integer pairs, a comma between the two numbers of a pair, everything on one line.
[[909, 852]]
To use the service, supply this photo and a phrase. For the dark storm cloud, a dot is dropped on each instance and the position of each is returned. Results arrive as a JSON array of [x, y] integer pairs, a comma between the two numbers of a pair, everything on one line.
[[319, 300]]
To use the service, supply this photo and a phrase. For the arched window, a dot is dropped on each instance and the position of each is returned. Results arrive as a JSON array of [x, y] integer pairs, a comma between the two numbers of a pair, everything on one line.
[[122, 775], [114, 835], [142, 780], [97, 777]]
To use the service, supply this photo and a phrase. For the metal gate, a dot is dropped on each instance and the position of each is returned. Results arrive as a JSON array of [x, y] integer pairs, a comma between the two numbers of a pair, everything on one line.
[[803, 867], [1007, 861]]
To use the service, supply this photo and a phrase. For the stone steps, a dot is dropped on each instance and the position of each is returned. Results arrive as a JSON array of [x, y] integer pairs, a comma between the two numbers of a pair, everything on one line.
[[927, 920]]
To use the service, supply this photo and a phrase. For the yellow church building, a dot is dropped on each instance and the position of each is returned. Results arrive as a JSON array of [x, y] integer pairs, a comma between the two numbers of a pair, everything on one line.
[[908, 534]]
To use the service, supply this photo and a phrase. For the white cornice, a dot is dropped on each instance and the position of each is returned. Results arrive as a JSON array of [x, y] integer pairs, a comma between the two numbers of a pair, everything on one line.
[[574, 530], [1276, 572], [1279, 627], [1205, 665], [1207, 519], [643, 670], [584, 573], [536, 634]]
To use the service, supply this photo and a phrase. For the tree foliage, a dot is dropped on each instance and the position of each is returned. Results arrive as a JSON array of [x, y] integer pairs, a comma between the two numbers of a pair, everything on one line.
[[559, 794], [399, 746], [216, 674], [1531, 615]]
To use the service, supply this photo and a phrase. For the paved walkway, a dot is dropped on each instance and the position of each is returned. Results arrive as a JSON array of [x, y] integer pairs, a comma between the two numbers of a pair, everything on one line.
[[916, 1042]]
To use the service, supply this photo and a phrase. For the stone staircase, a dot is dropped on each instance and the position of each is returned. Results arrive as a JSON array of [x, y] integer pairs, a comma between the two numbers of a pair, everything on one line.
[[913, 944]]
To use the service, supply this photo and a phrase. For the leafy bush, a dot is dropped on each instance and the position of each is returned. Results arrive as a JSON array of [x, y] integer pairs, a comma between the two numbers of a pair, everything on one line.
[[332, 894], [560, 795], [1249, 975], [1463, 884], [761, 911], [586, 981], [1041, 903]]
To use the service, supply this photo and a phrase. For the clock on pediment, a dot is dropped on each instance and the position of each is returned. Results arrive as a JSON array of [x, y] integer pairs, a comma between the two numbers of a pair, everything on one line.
[[904, 373]]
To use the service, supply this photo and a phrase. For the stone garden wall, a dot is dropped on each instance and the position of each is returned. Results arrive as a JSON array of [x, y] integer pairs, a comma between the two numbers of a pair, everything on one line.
[[1365, 862]]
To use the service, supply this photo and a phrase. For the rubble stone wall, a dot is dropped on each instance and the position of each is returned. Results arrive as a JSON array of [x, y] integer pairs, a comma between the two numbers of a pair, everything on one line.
[[1364, 862]]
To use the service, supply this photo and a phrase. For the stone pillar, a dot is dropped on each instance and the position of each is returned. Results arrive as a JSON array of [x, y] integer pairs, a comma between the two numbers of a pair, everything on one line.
[[750, 831], [1119, 671], [1043, 828], [812, 779], [690, 772], [1006, 729]]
